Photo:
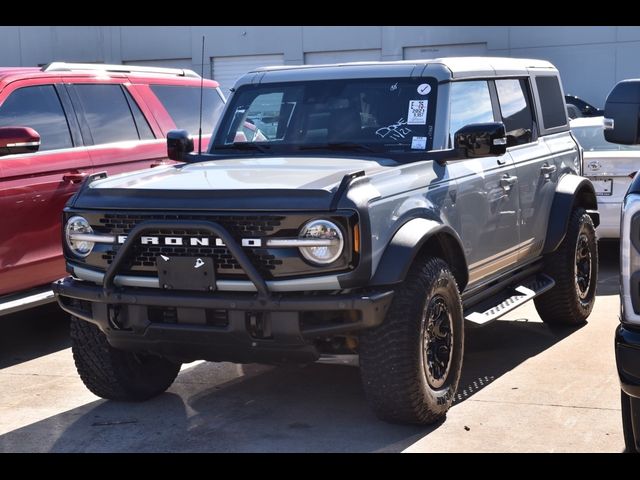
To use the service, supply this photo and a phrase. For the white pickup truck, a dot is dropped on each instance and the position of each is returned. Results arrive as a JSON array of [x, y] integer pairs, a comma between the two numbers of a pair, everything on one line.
[[610, 167]]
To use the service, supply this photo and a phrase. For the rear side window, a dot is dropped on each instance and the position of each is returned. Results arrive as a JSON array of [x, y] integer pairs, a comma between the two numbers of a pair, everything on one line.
[[554, 113], [107, 112], [515, 107], [470, 103], [38, 107], [183, 104], [144, 130]]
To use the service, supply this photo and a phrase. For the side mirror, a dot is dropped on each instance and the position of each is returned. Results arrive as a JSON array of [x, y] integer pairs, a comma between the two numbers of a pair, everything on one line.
[[18, 140], [179, 144], [621, 113], [482, 139]]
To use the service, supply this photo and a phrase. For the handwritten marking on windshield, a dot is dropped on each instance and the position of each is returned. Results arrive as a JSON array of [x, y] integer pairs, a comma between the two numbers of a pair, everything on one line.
[[396, 131]]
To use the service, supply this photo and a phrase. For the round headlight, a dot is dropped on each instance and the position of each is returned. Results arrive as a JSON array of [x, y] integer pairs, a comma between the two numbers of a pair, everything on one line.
[[74, 228], [330, 241]]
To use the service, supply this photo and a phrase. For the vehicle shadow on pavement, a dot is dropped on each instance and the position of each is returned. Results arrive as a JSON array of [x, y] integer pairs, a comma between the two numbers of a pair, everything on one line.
[[33, 333], [315, 408], [495, 349], [251, 408]]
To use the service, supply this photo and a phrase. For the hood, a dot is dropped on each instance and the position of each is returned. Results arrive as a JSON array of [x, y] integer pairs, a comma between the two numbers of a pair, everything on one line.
[[309, 173], [237, 183]]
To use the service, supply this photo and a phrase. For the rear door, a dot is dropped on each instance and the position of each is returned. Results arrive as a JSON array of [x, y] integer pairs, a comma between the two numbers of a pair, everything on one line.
[[545, 169], [119, 137], [535, 167], [34, 187]]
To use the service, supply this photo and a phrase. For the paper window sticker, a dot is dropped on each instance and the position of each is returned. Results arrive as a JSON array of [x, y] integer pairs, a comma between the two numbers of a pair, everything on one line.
[[419, 143], [417, 112]]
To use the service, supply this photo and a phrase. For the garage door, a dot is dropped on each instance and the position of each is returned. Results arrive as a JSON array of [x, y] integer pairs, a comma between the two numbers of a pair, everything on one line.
[[226, 70], [454, 50], [166, 63], [342, 56]]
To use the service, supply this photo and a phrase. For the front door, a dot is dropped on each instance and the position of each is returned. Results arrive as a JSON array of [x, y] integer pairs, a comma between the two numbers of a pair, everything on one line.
[[487, 202], [34, 187]]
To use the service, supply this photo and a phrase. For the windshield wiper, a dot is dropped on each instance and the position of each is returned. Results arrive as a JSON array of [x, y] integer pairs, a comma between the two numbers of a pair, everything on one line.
[[338, 146], [242, 146]]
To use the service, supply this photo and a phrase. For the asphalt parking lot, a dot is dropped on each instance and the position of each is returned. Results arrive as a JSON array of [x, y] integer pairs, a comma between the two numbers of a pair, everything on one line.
[[525, 388]]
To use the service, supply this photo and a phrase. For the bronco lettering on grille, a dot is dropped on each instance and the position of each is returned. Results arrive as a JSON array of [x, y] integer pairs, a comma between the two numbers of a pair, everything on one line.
[[190, 241]]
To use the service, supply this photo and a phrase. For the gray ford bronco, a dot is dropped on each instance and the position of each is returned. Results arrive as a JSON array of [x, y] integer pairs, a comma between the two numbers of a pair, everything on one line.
[[367, 208]]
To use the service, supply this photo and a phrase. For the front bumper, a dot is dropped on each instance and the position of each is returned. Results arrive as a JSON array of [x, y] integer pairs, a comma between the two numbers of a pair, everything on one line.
[[254, 328], [627, 345]]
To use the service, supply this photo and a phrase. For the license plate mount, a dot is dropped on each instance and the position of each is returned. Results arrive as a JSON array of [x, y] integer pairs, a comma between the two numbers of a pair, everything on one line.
[[186, 273], [603, 187]]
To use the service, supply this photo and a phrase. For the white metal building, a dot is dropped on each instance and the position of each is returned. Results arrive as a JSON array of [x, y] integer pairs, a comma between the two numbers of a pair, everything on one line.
[[590, 59]]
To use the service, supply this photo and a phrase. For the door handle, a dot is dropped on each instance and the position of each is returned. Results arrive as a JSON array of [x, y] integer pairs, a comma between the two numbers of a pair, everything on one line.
[[506, 182], [74, 177], [547, 169]]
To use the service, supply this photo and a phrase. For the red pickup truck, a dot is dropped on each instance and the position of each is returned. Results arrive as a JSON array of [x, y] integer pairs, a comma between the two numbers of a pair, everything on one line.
[[63, 122]]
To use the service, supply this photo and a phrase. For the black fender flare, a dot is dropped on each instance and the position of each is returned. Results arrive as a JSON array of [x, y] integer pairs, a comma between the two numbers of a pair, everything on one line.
[[407, 243], [572, 191]]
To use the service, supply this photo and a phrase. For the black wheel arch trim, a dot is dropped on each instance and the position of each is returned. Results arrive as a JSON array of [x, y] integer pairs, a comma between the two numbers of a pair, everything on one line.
[[572, 191], [407, 243]]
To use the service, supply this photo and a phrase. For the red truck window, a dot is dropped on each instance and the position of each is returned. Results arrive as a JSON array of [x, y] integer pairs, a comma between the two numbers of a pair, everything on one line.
[[144, 130], [38, 107], [107, 112], [183, 104]]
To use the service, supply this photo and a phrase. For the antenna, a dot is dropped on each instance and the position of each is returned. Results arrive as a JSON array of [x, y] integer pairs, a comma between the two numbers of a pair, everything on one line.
[[201, 92]]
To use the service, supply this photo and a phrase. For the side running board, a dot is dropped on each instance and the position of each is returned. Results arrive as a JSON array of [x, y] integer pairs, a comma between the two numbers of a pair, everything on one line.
[[493, 308], [23, 301]]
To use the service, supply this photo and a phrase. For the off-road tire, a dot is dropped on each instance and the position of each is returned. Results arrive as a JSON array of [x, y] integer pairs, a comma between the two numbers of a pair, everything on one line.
[[563, 305], [627, 425], [392, 355], [117, 374]]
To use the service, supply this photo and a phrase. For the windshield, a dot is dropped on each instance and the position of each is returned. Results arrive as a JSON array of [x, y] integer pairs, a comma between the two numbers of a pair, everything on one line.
[[374, 115], [592, 140]]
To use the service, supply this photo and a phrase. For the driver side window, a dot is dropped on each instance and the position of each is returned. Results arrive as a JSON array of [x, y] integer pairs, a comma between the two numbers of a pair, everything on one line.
[[470, 102]]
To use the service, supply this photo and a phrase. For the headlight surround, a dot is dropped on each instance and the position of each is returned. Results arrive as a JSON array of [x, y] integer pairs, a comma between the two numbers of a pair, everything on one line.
[[321, 229], [76, 225]]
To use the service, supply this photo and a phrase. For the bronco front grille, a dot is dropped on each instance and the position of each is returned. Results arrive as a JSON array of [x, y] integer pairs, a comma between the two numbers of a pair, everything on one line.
[[270, 262], [145, 255], [239, 226]]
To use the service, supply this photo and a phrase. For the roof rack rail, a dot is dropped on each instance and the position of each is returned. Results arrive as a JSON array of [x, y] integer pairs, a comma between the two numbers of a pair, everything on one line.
[[104, 67]]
